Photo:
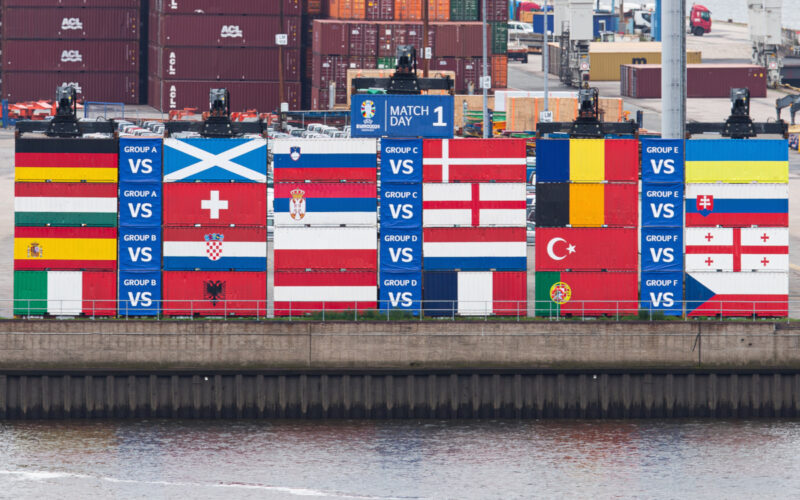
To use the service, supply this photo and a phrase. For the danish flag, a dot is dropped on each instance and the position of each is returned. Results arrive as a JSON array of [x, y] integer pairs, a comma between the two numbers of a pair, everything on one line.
[[473, 160]]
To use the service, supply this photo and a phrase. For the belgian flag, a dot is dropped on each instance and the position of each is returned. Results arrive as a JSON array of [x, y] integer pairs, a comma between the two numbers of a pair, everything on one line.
[[561, 204]]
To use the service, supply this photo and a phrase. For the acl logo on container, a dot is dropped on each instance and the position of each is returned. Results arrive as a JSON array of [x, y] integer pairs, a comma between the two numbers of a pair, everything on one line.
[[173, 60], [74, 85], [71, 23], [71, 56], [231, 31]]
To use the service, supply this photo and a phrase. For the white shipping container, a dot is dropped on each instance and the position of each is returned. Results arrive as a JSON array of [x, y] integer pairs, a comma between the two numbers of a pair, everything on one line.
[[326, 238]]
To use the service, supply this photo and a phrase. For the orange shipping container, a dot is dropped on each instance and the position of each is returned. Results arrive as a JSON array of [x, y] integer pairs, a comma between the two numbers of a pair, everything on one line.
[[499, 72], [408, 10], [346, 9], [439, 10]]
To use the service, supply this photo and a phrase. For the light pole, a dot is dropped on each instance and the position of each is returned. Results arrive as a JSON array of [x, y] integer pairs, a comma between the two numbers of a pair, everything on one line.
[[485, 77]]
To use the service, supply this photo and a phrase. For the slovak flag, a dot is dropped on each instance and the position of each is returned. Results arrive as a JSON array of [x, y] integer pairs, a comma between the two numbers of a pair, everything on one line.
[[474, 205], [326, 203], [466, 248], [474, 160], [354, 160], [737, 249], [744, 205]]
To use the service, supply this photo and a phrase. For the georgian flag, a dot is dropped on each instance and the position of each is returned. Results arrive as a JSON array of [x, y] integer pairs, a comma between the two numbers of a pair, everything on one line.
[[737, 249]]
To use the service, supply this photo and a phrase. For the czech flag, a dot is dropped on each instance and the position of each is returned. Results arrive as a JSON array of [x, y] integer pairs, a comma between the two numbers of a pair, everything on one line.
[[737, 294]]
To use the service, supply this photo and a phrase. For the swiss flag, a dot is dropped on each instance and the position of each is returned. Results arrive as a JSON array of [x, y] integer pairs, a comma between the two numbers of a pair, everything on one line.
[[215, 204]]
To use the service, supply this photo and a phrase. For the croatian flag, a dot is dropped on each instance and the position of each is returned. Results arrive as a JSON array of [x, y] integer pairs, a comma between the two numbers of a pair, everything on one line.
[[298, 292], [500, 248], [473, 205], [474, 160], [335, 160], [215, 160], [475, 293], [335, 248], [331, 204], [215, 248], [737, 249], [742, 205]]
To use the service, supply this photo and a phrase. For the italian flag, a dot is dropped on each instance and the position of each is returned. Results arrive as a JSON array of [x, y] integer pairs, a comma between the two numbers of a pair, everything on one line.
[[65, 293], [65, 204]]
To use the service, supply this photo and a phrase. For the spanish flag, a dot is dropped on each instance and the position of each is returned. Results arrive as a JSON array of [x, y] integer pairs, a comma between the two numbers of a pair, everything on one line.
[[65, 248], [561, 204], [587, 160], [66, 160], [740, 161]]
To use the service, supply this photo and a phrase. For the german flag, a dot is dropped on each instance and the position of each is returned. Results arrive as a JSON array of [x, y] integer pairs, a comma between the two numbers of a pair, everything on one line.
[[737, 161], [587, 160], [65, 248], [66, 160], [561, 204]]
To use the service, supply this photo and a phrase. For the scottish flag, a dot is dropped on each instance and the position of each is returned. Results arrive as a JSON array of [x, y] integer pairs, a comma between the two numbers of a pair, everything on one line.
[[215, 160]]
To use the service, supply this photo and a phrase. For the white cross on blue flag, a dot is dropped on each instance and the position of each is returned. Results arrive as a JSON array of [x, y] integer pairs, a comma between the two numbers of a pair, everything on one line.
[[215, 160]]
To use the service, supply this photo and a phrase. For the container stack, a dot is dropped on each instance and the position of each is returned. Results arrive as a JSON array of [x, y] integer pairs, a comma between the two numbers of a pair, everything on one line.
[[215, 227], [65, 234], [702, 80], [737, 236], [198, 45], [586, 226], [49, 43], [474, 227], [325, 225]]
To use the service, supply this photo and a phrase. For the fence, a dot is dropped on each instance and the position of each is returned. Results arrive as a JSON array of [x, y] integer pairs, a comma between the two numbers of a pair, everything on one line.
[[105, 110]]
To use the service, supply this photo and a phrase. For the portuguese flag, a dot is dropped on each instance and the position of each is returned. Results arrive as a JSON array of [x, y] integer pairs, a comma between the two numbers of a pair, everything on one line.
[[65, 293], [66, 160], [65, 204], [65, 248], [586, 293]]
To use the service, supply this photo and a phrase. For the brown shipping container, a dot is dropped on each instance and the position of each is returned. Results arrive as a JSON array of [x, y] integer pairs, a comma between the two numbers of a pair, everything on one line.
[[72, 3], [496, 10], [21, 86], [70, 23], [379, 10], [165, 95], [320, 97], [225, 31], [222, 63], [249, 7], [331, 37], [364, 39], [471, 39], [70, 55], [702, 80]]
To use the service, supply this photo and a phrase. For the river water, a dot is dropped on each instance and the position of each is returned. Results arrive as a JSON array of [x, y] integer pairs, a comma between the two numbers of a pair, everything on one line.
[[393, 459]]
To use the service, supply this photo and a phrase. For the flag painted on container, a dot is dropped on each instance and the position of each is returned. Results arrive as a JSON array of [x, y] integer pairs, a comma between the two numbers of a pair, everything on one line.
[[326, 248], [65, 204], [215, 204], [587, 160], [353, 160], [586, 249], [65, 293], [65, 160], [330, 204], [737, 205], [215, 248], [662, 249], [401, 206], [299, 292], [737, 294], [401, 291], [475, 249], [737, 249], [139, 160], [139, 293], [501, 293], [737, 160], [586, 293], [662, 292], [140, 204], [401, 161], [215, 160], [140, 248], [560, 204], [662, 160], [401, 250], [65, 248], [662, 205], [474, 160], [214, 293], [473, 205]]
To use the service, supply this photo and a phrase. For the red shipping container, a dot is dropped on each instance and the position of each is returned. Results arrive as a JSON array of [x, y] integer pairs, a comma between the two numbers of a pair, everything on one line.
[[471, 72], [298, 292], [70, 55], [447, 41], [323, 70], [586, 249], [226, 31], [379, 10], [621, 203], [499, 69], [364, 40], [215, 204], [496, 10], [214, 293], [223, 63], [598, 293], [388, 35], [471, 39], [248, 7], [262, 96], [71, 23], [414, 34], [702, 80], [21, 86], [71, 3], [331, 37], [320, 97]]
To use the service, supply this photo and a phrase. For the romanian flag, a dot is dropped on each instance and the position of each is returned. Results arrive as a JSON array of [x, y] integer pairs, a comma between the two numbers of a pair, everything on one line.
[[66, 160], [65, 204], [587, 160], [561, 204], [68, 293], [65, 248], [737, 160]]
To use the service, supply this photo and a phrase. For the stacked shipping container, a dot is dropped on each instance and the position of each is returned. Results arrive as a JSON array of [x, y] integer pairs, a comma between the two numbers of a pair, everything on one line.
[[702, 80]]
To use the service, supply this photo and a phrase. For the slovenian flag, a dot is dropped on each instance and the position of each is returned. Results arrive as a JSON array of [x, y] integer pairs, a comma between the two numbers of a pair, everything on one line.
[[299, 292], [65, 204], [473, 205], [464, 248], [737, 160], [65, 160], [330, 204], [65, 248], [353, 160], [737, 249], [215, 160], [744, 205], [475, 293], [474, 160], [587, 160], [215, 248], [333, 248], [737, 294], [67, 293]]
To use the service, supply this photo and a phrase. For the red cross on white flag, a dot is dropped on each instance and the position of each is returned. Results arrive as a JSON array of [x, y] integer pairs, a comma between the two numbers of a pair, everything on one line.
[[737, 249]]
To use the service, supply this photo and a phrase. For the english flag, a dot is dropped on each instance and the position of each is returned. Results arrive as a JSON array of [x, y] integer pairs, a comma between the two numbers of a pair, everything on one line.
[[709, 205], [215, 204], [473, 205], [474, 249], [737, 249], [586, 249], [474, 160]]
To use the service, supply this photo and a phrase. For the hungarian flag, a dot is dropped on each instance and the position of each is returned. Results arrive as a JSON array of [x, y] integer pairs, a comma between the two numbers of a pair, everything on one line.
[[737, 160], [737, 294], [65, 248], [214, 293], [335, 160], [299, 292], [737, 249], [215, 160], [326, 203], [68, 293], [586, 293], [500, 293], [474, 249], [66, 160], [65, 204], [587, 160], [559, 204], [473, 205], [331, 248], [474, 160], [586, 249], [222, 248], [709, 205], [215, 204]]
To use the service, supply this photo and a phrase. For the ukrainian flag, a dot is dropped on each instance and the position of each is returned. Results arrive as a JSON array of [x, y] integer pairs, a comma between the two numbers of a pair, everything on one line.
[[737, 160]]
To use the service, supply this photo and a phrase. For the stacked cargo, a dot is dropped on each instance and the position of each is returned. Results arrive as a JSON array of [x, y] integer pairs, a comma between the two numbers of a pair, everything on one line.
[[325, 225], [198, 45], [474, 227], [215, 227], [702, 80], [65, 235], [737, 236], [93, 47], [586, 226]]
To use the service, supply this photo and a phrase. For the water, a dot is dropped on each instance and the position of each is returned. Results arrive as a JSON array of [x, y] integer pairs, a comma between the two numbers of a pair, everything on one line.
[[407, 460], [722, 10]]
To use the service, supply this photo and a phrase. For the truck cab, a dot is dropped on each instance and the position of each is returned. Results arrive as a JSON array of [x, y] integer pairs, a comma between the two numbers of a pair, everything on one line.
[[699, 20]]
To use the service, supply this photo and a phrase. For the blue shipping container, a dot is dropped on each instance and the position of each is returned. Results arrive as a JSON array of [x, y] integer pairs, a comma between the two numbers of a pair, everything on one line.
[[662, 160], [139, 160], [140, 204], [139, 293], [139, 248], [662, 205], [401, 250], [401, 206], [215, 160], [440, 293], [662, 292], [401, 160], [401, 291], [662, 249]]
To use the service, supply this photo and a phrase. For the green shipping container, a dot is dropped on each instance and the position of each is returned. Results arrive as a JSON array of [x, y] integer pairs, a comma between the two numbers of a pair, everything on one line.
[[386, 63], [30, 292], [464, 10], [545, 307], [499, 37]]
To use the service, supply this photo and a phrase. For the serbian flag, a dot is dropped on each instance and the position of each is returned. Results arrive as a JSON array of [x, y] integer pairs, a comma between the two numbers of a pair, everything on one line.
[[480, 248], [586, 249], [299, 292], [473, 160], [737, 249], [326, 203], [737, 294], [221, 248], [333, 160], [65, 248], [737, 205], [65, 293], [334, 248], [501, 293], [473, 205], [66, 160]]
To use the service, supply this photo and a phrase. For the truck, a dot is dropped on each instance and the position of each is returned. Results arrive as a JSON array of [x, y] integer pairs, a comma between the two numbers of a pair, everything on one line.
[[699, 20]]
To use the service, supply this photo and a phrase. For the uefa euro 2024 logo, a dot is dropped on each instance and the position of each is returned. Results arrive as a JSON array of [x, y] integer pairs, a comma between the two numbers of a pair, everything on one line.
[[368, 110]]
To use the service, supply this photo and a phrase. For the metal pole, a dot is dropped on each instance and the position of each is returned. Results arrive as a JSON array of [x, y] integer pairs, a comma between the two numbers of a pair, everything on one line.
[[673, 73], [425, 42], [546, 58], [485, 74]]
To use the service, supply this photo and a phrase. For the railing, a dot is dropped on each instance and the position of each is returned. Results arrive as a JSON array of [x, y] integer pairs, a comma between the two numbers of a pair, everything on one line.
[[507, 310]]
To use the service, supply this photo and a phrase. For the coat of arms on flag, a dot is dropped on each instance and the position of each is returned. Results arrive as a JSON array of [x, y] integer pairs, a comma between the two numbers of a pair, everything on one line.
[[294, 153], [705, 204], [214, 245], [560, 293], [297, 204], [35, 251]]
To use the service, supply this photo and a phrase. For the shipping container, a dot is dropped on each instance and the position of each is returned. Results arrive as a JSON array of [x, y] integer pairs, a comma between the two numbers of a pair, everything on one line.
[[363, 40], [65, 293], [197, 159], [741, 294], [586, 249], [346, 9], [408, 10], [165, 95], [65, 248], [221, 248], [71, 3], [379, 10], [19, 86], [474, 160], [325, 203], [215, 204], [702, 80], [499, 72], [301, 292], [486, 204], [332, 37], [737, 161], [474, 248], [53, 159], [560, 204], [748, 249], [469, 293], [223, 63], [244, 7], [326, 248], [65, 204], [497, 10], [737, 205], [225, 31], [498, 37], [70, 55], [581, 294], [214, 293], [321, 160], [70, 24], [464, 10], [587, 160]]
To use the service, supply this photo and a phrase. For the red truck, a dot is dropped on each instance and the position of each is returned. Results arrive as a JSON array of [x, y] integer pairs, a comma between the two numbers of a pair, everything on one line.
[[699, 20]]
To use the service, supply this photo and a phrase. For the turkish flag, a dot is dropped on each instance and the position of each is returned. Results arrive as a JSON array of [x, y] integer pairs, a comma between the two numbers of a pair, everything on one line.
[[586, 249], [215, 204]]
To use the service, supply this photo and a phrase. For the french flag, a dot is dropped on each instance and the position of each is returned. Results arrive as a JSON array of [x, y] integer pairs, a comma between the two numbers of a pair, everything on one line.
[[298, 292], [330, 204], [331, 248], [353, 160], [465, 248], [474, 160], [215, 248], [475, 293], [473, 205], [742, 205]]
